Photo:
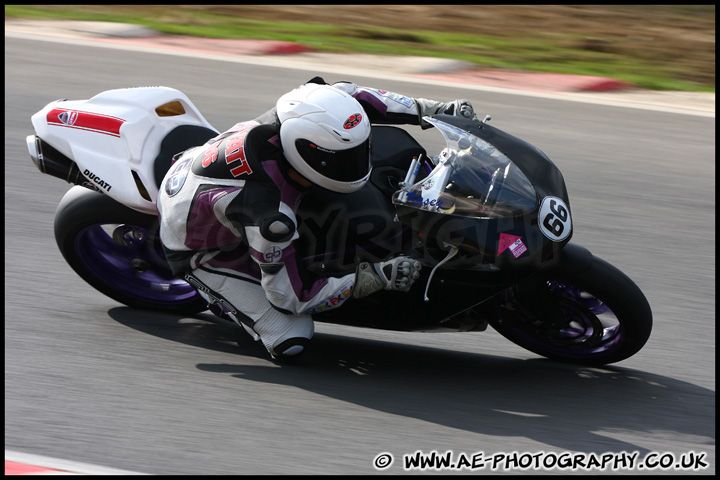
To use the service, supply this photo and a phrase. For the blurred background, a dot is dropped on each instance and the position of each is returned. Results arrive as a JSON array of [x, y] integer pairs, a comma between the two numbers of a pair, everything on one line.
[[666, 47]]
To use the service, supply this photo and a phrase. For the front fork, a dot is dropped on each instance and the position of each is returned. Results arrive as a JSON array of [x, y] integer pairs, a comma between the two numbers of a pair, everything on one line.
[[533, 304], [537, 304]]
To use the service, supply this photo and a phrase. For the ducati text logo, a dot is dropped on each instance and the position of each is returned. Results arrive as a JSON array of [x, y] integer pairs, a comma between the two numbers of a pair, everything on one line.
[[353, 121], [96, 180]]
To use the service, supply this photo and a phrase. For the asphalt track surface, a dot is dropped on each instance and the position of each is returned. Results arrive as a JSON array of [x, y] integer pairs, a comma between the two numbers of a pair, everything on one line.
[[89, 380]]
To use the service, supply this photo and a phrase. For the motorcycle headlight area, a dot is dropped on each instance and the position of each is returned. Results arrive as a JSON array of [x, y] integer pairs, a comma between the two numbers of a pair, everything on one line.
[[463, 186], [471, 178]]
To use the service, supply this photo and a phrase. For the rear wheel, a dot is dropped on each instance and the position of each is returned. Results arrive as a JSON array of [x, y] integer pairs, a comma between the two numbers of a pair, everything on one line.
[[117, 250], [594, 317]]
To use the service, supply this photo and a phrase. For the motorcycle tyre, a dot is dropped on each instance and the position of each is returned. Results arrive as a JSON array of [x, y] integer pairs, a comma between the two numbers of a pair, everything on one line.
[[81, 208], [618, 292]]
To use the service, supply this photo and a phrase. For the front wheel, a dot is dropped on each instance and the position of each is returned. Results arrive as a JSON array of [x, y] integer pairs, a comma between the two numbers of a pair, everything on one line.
[[117, 251], [594, 317]]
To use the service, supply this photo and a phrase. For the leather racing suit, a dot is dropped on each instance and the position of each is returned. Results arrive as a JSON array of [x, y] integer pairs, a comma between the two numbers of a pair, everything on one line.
[[228, 222]]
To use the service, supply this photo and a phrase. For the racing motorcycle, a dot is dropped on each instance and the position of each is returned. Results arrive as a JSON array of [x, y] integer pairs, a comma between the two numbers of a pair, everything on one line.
[[488, 217]]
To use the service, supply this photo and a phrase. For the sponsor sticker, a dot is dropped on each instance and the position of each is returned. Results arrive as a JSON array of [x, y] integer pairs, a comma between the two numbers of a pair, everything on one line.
[[178, 174], [352, 121], [272, 254], [335, 299], [518, 248], [401, 99], [512, 243]]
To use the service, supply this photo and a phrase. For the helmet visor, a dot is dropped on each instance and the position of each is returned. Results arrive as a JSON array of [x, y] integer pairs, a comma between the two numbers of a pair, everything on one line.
[[348, 165]]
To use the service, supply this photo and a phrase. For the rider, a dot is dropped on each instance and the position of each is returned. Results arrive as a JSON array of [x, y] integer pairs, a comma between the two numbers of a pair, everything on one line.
[[227, 208]]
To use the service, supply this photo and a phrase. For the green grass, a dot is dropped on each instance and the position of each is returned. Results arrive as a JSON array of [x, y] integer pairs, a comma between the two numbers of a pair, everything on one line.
[[547, 53]]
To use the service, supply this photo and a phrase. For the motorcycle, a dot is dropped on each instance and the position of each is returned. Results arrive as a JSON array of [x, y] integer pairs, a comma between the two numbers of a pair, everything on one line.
[[488, 217]]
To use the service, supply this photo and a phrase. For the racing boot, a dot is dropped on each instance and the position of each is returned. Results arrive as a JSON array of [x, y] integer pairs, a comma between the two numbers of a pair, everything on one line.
[[284, 336]]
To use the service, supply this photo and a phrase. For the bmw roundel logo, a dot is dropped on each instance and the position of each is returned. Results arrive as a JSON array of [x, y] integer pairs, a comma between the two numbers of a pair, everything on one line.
[[353, 121]]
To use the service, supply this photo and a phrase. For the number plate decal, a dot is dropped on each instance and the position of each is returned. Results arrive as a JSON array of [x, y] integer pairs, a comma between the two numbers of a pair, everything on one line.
[[554, 219]]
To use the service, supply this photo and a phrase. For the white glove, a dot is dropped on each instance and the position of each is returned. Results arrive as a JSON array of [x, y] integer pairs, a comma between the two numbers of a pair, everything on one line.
[[397, 274], [459, 108]]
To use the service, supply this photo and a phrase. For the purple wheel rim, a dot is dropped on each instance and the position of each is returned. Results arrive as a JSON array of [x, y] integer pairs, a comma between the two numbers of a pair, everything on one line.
[[134, 267], [592, 326]]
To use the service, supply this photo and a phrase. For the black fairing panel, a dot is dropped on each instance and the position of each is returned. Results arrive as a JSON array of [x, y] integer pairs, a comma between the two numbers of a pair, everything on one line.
[[338, 230], [481, 237], [178, 140]]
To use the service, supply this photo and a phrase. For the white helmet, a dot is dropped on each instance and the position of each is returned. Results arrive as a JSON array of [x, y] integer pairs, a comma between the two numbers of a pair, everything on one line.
[[325, 135]]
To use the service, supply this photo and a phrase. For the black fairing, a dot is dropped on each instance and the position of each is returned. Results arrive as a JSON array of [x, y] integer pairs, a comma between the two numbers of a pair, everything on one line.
[[480, 238], [338, 231]]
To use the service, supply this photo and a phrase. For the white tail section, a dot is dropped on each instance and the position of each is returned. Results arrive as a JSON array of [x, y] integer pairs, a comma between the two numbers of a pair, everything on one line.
[[115, 136]]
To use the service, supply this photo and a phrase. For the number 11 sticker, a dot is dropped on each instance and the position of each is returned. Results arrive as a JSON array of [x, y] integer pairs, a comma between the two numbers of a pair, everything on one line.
[[554, 219]]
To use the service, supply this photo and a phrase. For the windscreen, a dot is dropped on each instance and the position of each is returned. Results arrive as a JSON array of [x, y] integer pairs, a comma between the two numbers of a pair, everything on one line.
[[471, 178]]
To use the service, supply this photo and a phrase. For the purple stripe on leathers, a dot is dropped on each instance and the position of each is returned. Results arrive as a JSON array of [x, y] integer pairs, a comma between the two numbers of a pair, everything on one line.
[[289, 258], [290, 196], [204, 231], [372, 100]]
